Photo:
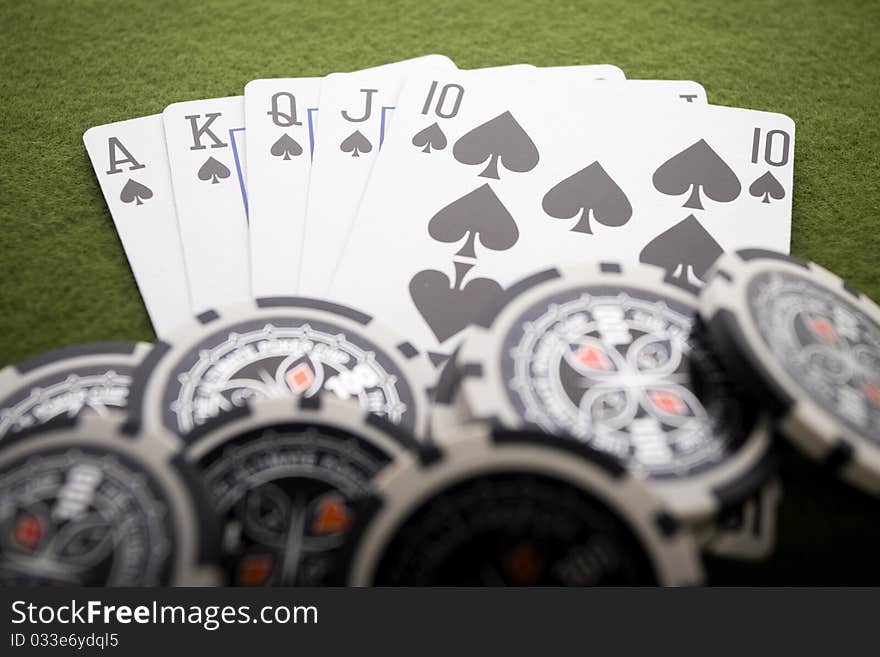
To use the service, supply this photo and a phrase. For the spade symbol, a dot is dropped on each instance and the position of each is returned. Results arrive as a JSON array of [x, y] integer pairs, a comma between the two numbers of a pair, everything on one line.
[[430, 137], [212, 170], [697, 166], [134, 191], [476, 214], [768, 187], [685, 251], [499, 139], [589, 189], [286, 146], [356, 144], [450, 308]]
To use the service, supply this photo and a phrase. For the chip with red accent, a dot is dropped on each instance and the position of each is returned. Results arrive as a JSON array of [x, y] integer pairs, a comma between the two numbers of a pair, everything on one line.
[[86, 502], [291, 480], [497, 507], [274, 347], [610, 355], [806, 344]]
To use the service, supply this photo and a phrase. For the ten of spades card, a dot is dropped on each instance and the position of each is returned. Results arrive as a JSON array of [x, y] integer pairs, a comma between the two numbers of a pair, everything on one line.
[[340, 167], [548, 169]]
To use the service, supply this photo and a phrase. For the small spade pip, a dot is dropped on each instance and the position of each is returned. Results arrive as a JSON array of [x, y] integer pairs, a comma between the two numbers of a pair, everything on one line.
[[697, 168], [477, 214], [590, 189], [449, 308], [286, 147], [768, 187], [430, 137], [213, 170], [356, 144], [502, 140], [135, 192]]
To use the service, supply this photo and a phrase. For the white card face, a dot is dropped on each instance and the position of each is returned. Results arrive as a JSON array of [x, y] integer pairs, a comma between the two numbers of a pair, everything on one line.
[[207, 170], [339, 176], [591, 71], [355, 109], [131, 164], [545, 170], [280, 119]]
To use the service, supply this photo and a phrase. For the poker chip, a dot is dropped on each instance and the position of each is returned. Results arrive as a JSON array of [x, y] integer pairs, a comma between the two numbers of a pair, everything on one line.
[[278, 347], [808, 346], [89, 378], [291, 480], [83, 503], [495, 507], [748, 531], [610, 356]]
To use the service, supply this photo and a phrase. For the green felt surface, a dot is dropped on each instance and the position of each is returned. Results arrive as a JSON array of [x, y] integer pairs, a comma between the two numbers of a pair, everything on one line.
[[66, 66]]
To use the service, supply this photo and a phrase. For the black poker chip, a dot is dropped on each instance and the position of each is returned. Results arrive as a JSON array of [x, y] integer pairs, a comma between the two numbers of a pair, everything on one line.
[[280, 347], [807, 345], [292, 483], [497, 507], [85, 503], [609, 355], [88, 378]]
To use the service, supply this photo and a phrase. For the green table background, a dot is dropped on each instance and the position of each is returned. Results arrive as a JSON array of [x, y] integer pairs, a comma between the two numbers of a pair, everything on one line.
[[67, 66]]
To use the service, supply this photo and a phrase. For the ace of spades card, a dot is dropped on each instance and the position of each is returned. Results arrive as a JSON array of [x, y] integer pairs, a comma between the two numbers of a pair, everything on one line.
[[131, 164], [524, 149], [355, 109], [280, 128], [207, 171]]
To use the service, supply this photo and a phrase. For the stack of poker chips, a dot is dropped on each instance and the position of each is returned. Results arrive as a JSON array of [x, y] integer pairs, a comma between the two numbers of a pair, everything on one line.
[[597, 425]]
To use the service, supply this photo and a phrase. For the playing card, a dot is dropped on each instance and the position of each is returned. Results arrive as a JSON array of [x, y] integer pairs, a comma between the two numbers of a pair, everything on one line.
[[208, 173], [540, 170], [131, 165], [355, 108], [280, 116], [345, 156], [590, 71]]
